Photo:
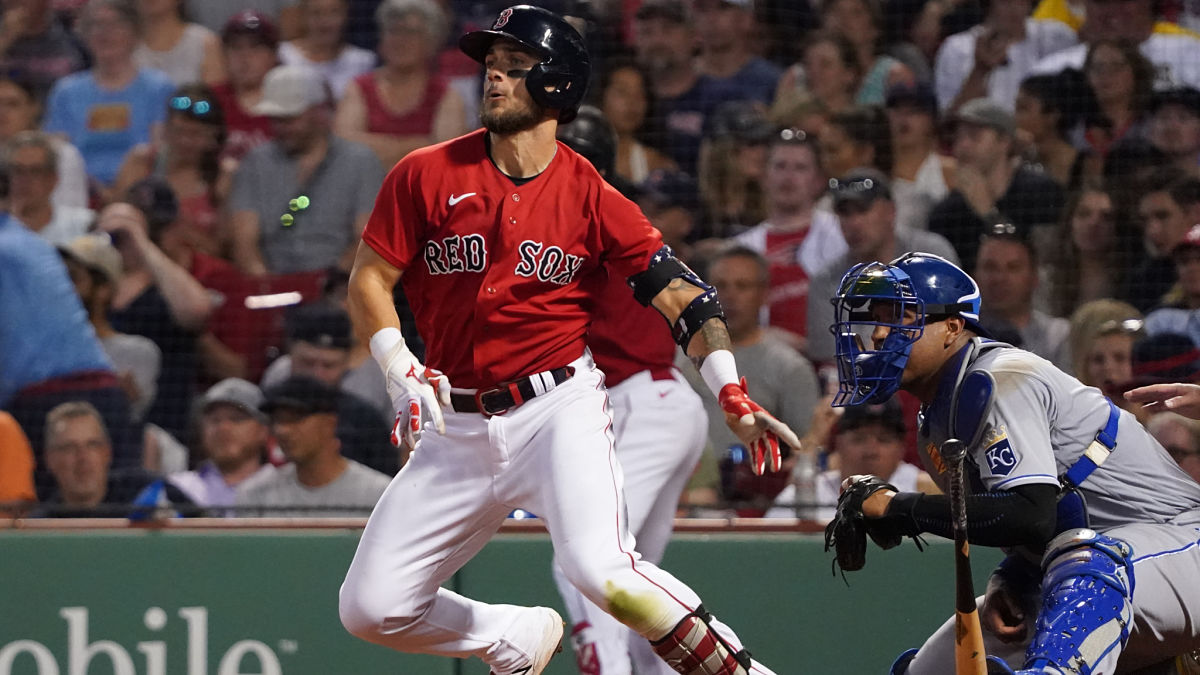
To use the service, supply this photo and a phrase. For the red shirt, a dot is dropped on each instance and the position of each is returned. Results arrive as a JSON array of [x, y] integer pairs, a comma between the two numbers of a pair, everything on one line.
[[493, 270], [416, 122], [627, 338], [245, 130], [787, 296]]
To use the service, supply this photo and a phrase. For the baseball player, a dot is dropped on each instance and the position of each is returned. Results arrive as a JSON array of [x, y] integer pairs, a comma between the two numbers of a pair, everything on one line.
[[494, 234], [655, 427], [1101, 527]]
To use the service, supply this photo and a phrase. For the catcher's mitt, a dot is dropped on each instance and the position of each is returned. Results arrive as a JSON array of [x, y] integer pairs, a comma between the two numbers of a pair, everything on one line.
[[847, 532]]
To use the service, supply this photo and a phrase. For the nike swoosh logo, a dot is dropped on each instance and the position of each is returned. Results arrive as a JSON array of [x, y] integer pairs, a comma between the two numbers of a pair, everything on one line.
[[454, 199]]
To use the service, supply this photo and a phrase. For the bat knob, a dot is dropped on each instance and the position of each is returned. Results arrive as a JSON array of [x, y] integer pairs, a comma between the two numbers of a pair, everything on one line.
[[953, 450]]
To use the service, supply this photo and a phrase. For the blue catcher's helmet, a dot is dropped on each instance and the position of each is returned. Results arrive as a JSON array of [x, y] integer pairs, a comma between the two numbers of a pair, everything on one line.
[[927, 285]]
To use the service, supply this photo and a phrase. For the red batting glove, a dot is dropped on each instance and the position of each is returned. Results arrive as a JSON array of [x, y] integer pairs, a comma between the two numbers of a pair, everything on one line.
[[755, 427]]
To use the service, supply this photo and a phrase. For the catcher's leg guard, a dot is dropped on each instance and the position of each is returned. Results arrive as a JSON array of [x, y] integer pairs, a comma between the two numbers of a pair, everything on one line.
[[900, 666], [694, 648], [1086, 611]]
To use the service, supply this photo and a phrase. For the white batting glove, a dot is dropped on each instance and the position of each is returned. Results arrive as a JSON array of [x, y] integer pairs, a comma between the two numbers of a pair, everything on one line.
[[413, 388]]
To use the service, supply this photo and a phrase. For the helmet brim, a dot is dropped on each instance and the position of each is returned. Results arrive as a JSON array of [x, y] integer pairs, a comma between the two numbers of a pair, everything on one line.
[[477, 43]]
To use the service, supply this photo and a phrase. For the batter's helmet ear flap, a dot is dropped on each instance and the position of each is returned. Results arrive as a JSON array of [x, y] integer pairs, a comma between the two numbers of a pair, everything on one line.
[[560, 80]]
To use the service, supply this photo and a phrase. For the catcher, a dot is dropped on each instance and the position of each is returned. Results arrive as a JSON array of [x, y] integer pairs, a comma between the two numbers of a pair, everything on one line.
[[1100, 525]]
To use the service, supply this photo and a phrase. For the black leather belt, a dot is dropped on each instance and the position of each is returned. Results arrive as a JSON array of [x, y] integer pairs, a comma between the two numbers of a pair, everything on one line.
[[507, 395]]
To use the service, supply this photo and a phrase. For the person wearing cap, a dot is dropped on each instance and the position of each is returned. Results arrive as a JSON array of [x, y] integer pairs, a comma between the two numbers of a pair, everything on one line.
[[95, 268], [1174, 127], [1007, 273], [1162, 358], [990, 185], [34, 41], [31, 163], [320, 345], [663, 40], [114, 105], [187, 52], [249, 40], [1178, 313], [724, 31], [1167, 206], [318, 480], [991, 58], [796, 237], [862, 200], [322, 45], [670, 200], [233, 439], [300, 201], [920, 173]]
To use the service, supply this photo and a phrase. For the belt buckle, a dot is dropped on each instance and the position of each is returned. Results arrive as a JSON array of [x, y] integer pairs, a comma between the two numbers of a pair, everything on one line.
[[484, 408]]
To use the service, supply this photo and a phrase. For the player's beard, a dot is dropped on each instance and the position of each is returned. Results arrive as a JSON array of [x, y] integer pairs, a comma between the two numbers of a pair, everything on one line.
[[508, 122]]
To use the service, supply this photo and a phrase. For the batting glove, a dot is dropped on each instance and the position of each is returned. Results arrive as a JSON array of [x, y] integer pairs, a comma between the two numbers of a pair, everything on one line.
[[757, 428], [413, 388]]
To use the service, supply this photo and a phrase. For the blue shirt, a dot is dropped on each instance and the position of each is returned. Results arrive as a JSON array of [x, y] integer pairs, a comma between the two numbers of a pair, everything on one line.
[[44, 330], [105, 124], [684, 119], [756, 81]]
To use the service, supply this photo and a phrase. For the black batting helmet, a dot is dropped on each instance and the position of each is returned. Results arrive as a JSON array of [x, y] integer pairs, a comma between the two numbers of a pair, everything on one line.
[[592, 136], [560, 80]]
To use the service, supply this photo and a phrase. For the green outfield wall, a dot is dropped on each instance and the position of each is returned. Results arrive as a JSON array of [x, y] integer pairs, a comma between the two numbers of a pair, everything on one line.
[[138, 602]]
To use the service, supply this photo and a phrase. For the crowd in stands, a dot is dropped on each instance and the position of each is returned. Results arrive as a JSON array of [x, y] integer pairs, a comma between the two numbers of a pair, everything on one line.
[[186, 182]]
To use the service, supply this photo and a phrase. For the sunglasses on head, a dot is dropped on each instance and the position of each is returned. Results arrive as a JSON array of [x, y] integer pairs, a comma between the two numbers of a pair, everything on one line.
[[197, 107]]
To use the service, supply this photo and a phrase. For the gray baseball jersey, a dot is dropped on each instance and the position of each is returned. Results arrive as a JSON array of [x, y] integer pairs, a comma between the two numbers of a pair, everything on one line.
[[1041, 421]]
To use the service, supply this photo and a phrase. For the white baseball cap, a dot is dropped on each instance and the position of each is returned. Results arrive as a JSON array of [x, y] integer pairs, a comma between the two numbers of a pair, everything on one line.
[[291, 90]]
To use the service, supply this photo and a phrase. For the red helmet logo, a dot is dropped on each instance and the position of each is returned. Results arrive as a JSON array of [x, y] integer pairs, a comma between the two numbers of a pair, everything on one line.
[[503, 18]]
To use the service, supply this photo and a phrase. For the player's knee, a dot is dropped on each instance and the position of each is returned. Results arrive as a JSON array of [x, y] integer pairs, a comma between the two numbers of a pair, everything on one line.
[[368, 615]]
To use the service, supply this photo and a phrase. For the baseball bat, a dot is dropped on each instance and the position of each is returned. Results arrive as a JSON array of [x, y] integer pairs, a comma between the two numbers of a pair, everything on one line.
[[970, 657]]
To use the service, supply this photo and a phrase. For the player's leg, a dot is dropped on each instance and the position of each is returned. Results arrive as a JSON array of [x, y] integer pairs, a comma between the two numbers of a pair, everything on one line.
[[937, 654], [658, 441], [434, 517], [567, 473]]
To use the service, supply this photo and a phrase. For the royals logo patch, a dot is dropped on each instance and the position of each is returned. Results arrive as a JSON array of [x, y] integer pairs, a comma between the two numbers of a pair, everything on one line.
[[1000, 456]]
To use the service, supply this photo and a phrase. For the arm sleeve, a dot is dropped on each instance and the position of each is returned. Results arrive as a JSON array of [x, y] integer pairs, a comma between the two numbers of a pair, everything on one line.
[[1016, 449], [1024, 515], [628, 238], [396, 228]]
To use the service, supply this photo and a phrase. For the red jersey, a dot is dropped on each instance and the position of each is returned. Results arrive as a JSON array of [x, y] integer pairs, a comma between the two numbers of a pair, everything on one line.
[[627, 338], [493, 270], [245, 130], [787, 298]]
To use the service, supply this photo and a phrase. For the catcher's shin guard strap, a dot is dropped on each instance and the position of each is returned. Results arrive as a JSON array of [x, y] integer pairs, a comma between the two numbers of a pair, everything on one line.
[[1086, 613], [694, 648]]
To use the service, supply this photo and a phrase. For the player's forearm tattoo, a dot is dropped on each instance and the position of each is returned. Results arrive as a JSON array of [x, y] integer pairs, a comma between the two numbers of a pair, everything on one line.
[[713, 335]]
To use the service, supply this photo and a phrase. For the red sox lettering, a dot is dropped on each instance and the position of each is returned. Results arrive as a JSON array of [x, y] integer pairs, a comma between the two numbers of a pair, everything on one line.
[[467, 253], [549, 263]]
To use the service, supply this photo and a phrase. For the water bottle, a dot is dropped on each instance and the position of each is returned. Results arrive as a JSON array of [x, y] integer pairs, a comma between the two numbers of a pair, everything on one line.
[[804, 479]]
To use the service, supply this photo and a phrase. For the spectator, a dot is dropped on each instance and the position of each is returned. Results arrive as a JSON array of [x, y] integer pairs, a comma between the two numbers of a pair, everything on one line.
[[158, 298], [79, 456], [1007, 273], [853, 138], [1121, 81], [250, 41], [862, 200], [320, 346], [732, 162], [322, 46], [785, 384], [1160, 359], [861, 21], [669, 199], [664, 37], [625, 100], [828, 74], [867, 440], [318, 480], [404, 104], [55, 358], [116, 104], [796, 238], [216, 14], [20, 111], [920, 173], [1171, 49], [1092, 256], [95, 268], [992, 58], [1175, 127], [233, 441], [1163, 210], [188, 159], [32, 167], [1047, 116], [300, 201], [725, 30], [34, 42], [1101, 344], [16, 469], [990, 186], [1178, 312], [1180, 437], [186, 52]]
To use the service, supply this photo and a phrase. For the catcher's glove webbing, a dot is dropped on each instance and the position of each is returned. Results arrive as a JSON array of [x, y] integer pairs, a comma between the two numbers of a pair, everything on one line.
[[847, 532]]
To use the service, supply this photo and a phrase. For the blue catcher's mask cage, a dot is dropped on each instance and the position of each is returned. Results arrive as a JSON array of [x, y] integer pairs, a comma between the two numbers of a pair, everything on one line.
[[873, 375]]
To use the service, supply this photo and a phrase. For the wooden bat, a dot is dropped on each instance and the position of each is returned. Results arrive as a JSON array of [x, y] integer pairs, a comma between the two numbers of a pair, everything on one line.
[[970, 658]]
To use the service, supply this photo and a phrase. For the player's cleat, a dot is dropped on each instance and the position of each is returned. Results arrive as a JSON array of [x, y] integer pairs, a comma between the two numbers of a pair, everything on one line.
[[551, 629]]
